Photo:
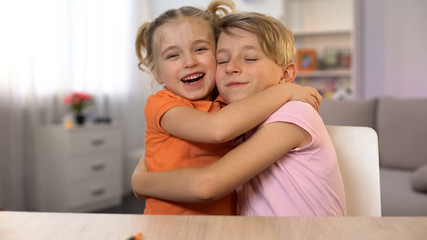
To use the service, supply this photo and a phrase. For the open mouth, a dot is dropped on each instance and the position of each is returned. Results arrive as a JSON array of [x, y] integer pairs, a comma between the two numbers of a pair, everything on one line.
[[193, 78]]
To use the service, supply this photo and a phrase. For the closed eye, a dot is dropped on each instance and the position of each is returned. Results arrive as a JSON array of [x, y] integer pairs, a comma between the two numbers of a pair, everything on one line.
[[222, 62], [251, 59], [172, 55], [201, 49]]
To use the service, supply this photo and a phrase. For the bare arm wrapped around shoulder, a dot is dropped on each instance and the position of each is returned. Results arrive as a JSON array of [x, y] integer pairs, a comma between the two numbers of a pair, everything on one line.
[[241, 164], [236, 118]]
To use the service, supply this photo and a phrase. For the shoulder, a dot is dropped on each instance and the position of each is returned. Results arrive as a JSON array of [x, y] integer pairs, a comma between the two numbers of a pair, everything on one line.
[[165, 98], [160, 102], [294, 110], [300, 114]]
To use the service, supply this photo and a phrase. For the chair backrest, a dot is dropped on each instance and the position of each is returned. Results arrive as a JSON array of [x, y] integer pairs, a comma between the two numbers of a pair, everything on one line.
[[358, 157]]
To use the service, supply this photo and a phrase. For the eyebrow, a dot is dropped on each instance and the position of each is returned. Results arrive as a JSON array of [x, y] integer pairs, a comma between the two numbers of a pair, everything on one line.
[[201, 41], [168, 48], [246, 47]]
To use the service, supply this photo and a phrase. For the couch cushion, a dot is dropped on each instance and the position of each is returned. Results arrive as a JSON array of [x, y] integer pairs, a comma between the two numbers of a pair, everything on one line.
[[419, 179], [402, 132], [397, 196], [348, 112]]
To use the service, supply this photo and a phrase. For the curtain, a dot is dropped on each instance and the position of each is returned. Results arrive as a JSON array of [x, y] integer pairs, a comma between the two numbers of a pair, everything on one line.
[[49, 48]]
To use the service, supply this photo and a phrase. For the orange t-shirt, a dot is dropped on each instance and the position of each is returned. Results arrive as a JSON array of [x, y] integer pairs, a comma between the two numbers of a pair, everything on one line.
[[164, 152]]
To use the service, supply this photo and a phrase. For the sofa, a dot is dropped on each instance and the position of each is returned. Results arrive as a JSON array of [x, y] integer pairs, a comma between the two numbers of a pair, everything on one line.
[[401, 125]]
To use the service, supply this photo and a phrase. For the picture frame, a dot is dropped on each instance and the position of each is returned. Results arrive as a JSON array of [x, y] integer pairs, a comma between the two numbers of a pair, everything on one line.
[[306, 59]]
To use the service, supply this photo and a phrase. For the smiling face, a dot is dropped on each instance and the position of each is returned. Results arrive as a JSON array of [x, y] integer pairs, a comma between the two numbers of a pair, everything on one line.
[[185, 58], [243, 69]]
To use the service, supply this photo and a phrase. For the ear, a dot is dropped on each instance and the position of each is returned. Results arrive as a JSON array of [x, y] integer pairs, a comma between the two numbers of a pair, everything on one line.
[[289, 73]]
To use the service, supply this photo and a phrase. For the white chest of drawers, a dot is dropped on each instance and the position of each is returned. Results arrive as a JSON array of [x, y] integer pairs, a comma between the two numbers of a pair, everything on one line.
[[79, 169]]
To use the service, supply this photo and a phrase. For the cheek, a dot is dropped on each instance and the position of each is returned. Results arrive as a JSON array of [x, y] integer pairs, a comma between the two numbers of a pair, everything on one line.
[[218, 74], [273, 76], [167, 68], [211, 62], [165, 73], [264, 81]]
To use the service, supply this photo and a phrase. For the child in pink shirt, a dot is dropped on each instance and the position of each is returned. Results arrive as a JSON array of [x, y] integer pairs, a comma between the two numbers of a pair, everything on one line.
[[304, 182]]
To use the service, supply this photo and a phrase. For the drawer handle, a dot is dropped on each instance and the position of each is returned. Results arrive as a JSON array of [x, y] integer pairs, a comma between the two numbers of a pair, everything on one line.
[[98, 166], [98, 191], [98, 141]]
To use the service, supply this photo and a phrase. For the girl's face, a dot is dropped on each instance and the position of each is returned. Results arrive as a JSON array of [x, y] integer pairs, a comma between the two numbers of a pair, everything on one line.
[[243, 68], [185, 58]]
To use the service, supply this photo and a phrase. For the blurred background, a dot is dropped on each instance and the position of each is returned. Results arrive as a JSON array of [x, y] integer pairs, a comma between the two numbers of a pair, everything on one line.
[[347, 49]]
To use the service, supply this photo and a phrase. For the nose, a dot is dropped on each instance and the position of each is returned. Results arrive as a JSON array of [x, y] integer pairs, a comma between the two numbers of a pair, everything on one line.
[[190, 61], [232, 67]]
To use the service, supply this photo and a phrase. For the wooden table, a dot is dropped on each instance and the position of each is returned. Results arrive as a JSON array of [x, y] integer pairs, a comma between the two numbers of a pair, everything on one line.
[[46, 226]]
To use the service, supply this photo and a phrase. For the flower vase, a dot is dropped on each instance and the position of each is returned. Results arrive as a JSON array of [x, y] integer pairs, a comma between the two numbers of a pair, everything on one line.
[[80, 119]]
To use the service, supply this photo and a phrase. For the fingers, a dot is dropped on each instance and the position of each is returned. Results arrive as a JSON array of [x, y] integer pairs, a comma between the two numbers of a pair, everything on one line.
[[314, 103], [316, 97], [318, 100], [307, 94], [317, 105], [319, 97]]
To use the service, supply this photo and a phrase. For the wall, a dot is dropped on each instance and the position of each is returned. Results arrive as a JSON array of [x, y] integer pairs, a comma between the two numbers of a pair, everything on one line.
[[395, 48], [271, 7], [320, 15]]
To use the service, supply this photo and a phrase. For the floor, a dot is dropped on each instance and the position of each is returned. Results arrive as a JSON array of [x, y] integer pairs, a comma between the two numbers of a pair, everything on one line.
[[130, 205]]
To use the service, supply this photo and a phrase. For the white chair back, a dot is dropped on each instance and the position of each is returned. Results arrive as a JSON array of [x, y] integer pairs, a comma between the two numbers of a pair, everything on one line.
[[358, 157]]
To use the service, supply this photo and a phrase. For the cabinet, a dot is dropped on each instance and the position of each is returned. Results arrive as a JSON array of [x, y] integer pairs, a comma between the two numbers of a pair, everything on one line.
[[325, 27], [79, 169]]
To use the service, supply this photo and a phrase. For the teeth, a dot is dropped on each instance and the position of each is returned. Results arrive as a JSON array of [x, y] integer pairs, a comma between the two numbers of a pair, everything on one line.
[[192, 77]]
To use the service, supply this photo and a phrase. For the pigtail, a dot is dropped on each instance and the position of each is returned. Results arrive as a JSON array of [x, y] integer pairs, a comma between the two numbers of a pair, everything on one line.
[[141, 44], [221, 8]]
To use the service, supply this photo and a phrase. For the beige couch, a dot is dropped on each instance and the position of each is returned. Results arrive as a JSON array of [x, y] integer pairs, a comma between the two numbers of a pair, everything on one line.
[[401, 125]]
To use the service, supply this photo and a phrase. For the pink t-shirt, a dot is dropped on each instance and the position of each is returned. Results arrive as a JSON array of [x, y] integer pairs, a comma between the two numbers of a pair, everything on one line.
[[306, 181]]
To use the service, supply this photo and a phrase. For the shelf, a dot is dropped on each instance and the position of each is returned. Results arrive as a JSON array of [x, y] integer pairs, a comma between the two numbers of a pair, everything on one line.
[[308, 33], [327, 27], [325, 73]]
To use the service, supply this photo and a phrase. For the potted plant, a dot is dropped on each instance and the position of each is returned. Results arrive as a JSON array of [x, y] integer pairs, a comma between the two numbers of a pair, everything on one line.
[[77, 102]]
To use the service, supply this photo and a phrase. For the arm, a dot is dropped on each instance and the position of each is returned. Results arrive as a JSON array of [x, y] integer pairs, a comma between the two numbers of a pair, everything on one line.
[[236, 118], [224, 176]]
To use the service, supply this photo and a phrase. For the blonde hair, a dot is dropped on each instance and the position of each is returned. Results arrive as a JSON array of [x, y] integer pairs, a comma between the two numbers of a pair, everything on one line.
[[275, 40], [145, 34]]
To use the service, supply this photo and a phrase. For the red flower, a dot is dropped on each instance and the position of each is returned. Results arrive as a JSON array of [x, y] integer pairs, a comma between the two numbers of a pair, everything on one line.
[[78, 101]]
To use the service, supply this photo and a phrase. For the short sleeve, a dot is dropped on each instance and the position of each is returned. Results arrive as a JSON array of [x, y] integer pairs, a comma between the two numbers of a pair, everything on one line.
[[159, 103]]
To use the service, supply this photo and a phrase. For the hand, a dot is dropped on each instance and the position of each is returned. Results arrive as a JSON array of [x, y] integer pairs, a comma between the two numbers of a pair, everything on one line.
[[140, 168], [141, 165], [304, 94]]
